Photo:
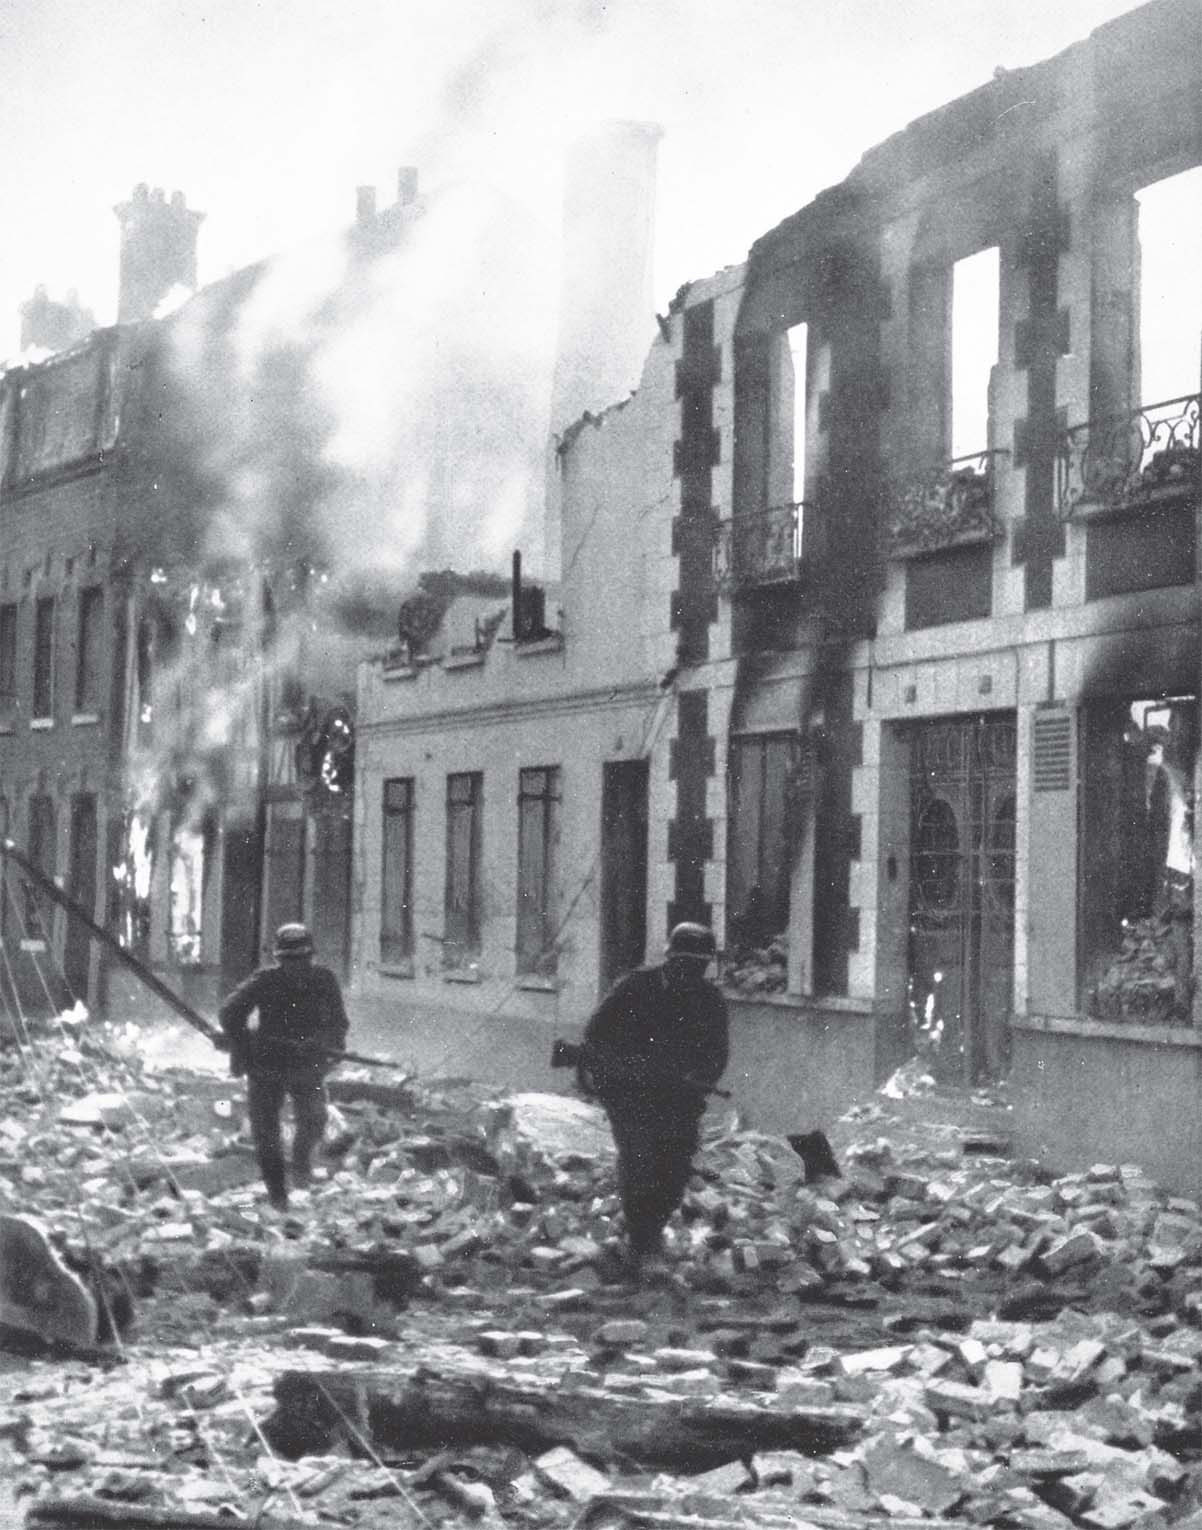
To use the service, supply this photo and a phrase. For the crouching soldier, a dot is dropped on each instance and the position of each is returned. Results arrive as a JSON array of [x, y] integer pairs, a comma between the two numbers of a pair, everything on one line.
[[656, 1043], [301, 1020]]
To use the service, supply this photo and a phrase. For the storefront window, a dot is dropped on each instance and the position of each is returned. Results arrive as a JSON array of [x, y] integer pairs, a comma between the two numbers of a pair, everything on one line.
[[1137, 859]]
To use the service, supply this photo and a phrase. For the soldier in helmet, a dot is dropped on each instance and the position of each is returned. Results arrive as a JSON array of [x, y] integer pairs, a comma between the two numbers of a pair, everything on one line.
[[301, 1019], [665, 1032]]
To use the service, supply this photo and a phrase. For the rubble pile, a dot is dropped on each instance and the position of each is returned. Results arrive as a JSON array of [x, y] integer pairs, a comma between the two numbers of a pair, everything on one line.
[[440, 1331], [754, 969], [1146, 983]]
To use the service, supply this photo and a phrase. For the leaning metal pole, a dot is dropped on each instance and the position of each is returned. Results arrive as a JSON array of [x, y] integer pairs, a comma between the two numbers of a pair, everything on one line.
[[9, 851]]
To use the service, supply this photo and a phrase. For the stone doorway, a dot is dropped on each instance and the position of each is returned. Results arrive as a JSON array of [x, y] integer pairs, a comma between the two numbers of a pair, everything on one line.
[[960, 980]]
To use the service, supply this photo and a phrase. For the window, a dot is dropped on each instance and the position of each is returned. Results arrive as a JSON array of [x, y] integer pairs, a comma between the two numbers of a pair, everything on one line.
[[88, 652], [57, 414], [396, 906], [762, 833], [974, 349], [43, 852], [8, 655], [538, 858], [787, 415], [1170, 294], [1137, 858], [798, 375], [43, 657], [465, 807]]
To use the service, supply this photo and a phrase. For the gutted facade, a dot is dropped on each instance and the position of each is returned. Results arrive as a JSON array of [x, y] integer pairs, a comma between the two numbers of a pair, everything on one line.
[[900, 529]]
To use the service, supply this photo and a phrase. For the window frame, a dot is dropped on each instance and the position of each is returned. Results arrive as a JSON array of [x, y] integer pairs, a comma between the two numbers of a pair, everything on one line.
[[1098, 796], [89, 657], [42, 700], [396, 945], [740, 749], [539, 805], [462, 915]]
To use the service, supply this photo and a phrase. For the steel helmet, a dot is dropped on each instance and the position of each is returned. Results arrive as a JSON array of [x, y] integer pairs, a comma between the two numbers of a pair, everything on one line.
[[690, 939], [293, 940]]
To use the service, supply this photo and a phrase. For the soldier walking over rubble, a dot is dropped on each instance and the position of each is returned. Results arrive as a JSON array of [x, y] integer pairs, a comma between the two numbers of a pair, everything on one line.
[[656, 1043], [301, 1019]]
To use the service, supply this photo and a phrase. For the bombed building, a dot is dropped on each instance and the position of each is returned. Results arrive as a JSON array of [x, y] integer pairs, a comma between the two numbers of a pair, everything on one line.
[[176, 675], [876, 644]]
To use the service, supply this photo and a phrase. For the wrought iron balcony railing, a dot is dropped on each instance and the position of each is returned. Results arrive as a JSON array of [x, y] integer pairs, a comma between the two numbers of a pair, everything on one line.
[[766, 547], [1125, 462], [950, 507]]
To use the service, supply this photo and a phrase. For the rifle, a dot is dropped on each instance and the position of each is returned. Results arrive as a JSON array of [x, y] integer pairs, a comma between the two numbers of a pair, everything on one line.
[[142, 972], [570, 1054]]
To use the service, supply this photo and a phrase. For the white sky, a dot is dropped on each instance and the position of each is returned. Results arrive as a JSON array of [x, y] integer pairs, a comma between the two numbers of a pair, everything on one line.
[[268, 113]]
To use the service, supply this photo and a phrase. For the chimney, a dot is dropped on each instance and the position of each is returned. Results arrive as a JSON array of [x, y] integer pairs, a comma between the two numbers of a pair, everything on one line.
[[51, 325], [406, 185], [606, 302], [365, 205], [158, 250]]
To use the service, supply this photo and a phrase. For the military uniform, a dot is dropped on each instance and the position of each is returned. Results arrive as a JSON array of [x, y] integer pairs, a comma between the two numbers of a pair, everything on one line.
[[662, 1035], [301, 1016]]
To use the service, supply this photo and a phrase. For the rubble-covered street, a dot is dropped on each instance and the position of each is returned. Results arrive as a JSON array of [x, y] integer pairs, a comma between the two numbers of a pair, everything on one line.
[[437, 1332]]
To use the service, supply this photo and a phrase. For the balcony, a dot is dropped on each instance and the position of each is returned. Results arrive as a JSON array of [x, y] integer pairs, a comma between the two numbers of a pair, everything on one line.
[[766, 547], [950, 507], [1122, 464]]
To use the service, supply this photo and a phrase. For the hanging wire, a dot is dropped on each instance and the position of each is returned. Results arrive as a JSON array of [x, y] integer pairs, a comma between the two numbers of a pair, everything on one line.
[[97, 1264]]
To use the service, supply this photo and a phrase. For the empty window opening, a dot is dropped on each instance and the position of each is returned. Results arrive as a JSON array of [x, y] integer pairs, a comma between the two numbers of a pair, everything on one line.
[[8, 656], [538, 856], [132, 876], [396, 906], [1170, 286], [1137, 858], [976, 291], [792, 426], [43, 657], [763, 831], [187, 895], [88, 652], [798, 341]]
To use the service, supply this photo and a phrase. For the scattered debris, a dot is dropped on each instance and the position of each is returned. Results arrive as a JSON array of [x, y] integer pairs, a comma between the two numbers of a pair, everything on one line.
[[440, 1330]]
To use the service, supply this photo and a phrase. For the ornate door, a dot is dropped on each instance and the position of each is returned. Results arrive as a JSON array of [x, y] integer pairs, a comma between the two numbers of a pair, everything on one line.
[[961, 977]]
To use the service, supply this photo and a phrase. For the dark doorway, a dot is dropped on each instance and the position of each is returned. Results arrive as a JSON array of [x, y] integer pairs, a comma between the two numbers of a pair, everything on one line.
[[284, 893], [332, 890], [961, 976], [623, 868], [81, 887], [242, 866]]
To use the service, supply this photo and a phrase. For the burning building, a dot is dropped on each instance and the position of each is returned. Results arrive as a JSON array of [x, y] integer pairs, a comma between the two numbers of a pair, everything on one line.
[[176, 675], [879, 641]]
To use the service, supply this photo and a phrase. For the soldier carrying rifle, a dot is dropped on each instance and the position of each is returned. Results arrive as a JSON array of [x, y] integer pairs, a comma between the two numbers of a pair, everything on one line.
[[302, 1030], [654, 1048]]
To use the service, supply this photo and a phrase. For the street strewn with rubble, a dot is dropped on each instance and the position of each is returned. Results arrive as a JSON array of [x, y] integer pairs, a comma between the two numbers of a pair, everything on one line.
[[438, 1331]]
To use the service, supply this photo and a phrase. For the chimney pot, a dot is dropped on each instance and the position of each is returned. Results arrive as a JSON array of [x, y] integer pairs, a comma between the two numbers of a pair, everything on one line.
[[406, 185], [365, 204], [158, 250]]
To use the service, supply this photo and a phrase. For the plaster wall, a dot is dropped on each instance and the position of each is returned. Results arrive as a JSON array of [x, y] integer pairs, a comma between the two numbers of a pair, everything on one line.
[[796, 1068], [1085, 1095], [576, 734]]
